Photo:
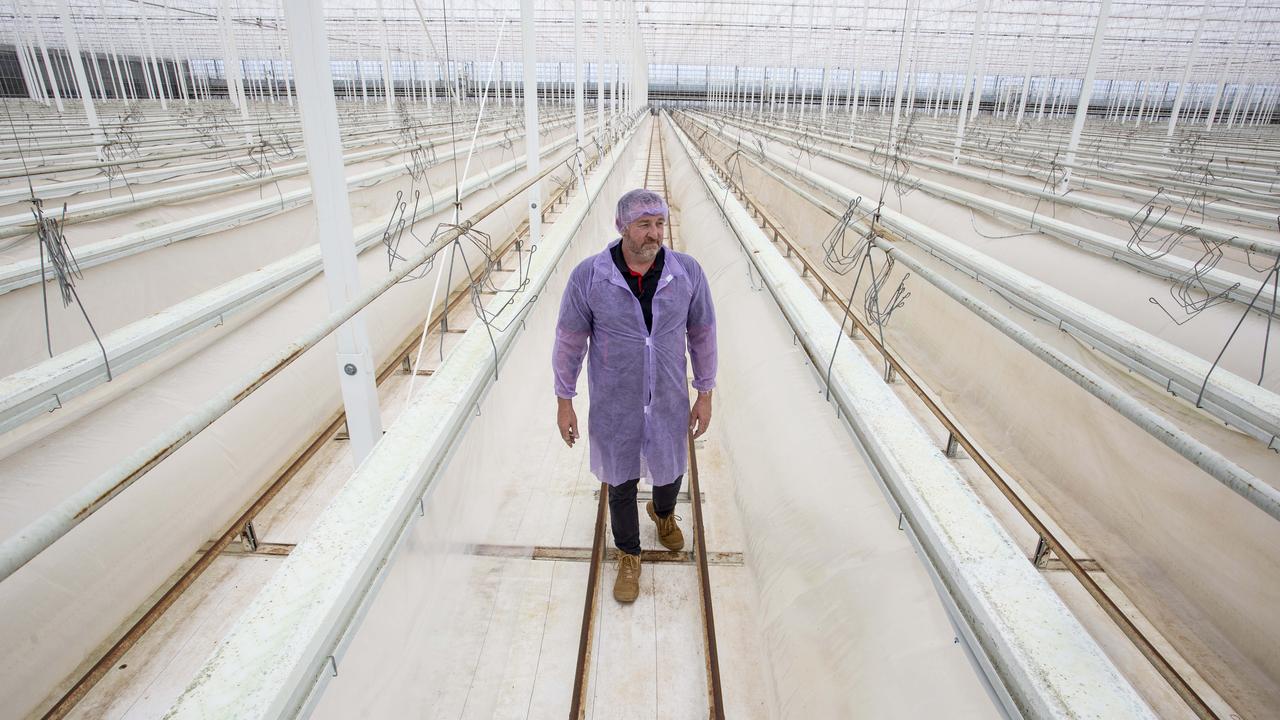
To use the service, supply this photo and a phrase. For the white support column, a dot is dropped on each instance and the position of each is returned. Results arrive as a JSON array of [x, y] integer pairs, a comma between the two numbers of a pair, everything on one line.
[[1186, 72], [27, 46], [94, 66], [231, 65], [903, 57], [82, 81], [979, 80], [28, 72], [284, 54], [1217, 96], [319, 117], [113, 58], [33, 64], [48, 64], [600, 57], [531, 142], [613, 79], [1022, 99], [364, 88], [1086, 91], [177, 64], [161, 90], [968, 78], [388, 83], [579, 130]]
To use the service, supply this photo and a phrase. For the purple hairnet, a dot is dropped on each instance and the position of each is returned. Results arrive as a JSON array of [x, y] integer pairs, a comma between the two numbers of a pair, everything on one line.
[[636, 204]]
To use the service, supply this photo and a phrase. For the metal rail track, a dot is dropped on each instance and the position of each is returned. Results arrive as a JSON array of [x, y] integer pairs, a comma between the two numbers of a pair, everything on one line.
[[655, 171]]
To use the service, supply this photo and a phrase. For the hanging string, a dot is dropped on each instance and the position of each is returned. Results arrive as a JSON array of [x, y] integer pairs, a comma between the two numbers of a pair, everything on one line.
[[62, 262]]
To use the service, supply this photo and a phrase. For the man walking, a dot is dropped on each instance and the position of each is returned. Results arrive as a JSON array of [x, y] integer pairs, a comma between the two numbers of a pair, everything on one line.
[[636, 306]]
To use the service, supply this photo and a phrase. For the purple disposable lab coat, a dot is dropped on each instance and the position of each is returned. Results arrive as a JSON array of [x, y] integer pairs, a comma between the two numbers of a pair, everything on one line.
[[639, 417]]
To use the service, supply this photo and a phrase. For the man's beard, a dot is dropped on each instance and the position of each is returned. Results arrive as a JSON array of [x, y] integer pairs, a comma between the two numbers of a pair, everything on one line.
[[649, 251]]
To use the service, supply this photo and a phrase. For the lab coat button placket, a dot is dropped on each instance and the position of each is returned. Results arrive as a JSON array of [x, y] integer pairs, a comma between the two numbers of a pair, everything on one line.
[[648, 351]]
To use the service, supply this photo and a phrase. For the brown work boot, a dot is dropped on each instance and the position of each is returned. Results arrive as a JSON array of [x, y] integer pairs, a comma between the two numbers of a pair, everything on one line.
[[627, 586], [668, 531]]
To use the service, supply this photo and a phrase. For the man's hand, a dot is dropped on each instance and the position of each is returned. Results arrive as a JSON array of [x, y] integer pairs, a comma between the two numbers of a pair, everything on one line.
[[567, 419], [700, 415]]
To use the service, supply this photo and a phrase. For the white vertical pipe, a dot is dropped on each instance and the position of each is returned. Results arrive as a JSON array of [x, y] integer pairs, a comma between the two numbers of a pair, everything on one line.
[[364, 89], [1086, 91], [849, 101], [579, 130], [1022, 99], [97, 71], [161, 90], [980, 80], [532, 140], [33, 64], [1046, 81], [82, 81], [131, 84], [968, 77], [28, 74], [613, 80], [50, 90], [388, 84], [113, 56], [319, 116], [177, 64], [1186, 72], [284, 54], [599, 71], [48, 64], [231, 63], [1217, 96], [903, 56]]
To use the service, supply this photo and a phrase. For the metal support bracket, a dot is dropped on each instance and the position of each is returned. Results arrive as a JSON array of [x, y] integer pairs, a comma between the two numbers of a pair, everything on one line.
[[249, 537]]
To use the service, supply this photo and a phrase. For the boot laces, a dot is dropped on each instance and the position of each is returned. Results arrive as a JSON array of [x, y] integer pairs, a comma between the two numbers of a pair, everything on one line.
[[629, 566], [668, 522]]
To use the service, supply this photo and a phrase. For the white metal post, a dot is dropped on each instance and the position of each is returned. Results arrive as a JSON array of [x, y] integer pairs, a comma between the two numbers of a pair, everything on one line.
[[898, 83], [319, 115], [97, 70], [48, 64], [1086, 91], [968, 77], [114, 57], [231, 63], [177, 64], [161, 90], [388, 84], [1186, 72], [82, 81], [579, 130], [1022, 98], [613, 79], [28, 73], [284, 57], [979, 79], [599, 71], [531, 139]]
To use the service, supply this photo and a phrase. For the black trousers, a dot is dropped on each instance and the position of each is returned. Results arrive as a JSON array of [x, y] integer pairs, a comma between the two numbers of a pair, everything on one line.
[[624, 514]]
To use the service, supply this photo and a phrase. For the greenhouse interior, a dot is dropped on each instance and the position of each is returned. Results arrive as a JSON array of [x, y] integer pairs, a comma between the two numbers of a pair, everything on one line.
[[976, 305]]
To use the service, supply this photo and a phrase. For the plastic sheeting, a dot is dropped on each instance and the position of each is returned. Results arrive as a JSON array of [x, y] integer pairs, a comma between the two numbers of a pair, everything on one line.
[[76, 596], [1197, 559], [113, 297]]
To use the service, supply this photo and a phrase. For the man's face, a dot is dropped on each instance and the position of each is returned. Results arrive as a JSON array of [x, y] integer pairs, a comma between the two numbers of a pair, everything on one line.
[[643, 237]]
